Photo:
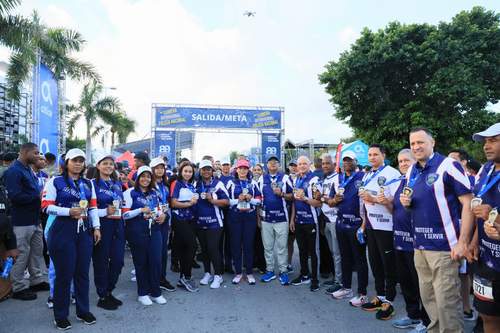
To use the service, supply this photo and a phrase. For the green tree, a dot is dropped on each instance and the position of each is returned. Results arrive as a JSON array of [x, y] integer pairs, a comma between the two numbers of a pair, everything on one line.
[[120, 126], [14, 29], [75, 143], [441, 77], [54, 46], [92, 107]]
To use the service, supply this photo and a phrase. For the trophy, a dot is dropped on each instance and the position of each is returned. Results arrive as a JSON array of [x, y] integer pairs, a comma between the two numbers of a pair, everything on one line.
[[492, 216], [83, 204], [475, 202], [118, 212]]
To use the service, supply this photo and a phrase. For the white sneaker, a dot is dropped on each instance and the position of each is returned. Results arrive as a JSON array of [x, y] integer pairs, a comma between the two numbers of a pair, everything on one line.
[[144, 300], [159, 300], [133, 278], [206, 279], [358, 300], [421, 328], [251, 279], [132, 272], [343, 293], [237, 278], [216, 282]]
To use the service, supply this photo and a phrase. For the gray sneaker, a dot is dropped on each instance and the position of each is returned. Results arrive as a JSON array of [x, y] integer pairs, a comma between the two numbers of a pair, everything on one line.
[[189, 284]]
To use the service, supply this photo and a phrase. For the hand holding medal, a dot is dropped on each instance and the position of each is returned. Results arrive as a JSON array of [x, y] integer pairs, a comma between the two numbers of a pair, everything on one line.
[[491, 228]]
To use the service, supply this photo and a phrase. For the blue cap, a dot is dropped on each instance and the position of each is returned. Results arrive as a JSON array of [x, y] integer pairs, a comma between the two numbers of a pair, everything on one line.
[[272, 157], [293, 162]]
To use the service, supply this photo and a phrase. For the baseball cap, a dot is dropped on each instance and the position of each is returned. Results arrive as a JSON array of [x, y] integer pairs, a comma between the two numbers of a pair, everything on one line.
[[143, 169], [205, 163], [491, 131], [74, 153], [225, 161], [140, 155], [349, 154], [157, 161], [242, 164], [273, 157], [102, 157], [293, 162]]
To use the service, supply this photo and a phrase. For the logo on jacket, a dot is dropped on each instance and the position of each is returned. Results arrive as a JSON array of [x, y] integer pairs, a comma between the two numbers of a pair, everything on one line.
[[381, 180], [431, 178]]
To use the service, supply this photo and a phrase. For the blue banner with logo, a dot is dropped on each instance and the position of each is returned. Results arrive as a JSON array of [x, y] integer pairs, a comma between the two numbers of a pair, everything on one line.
[[205, 117], [164, 145], [271, 146], [46, 110], [360, 149]]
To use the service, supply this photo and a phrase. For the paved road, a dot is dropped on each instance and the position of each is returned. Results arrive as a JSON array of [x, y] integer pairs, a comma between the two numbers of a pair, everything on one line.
[[260, 308]]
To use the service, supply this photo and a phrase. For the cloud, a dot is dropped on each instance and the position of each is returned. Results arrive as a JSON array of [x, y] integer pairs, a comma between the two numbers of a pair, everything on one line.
[[347, 36]]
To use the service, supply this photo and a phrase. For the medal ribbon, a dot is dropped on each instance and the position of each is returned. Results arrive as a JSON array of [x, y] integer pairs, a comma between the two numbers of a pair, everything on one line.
[[486, 184], [366, 182]]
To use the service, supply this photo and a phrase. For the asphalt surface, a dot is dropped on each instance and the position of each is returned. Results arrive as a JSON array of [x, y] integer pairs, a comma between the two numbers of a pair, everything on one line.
[[233, 308]]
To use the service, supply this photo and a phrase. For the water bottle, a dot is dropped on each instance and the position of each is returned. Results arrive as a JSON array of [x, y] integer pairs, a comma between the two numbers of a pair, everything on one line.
[[360, 236], [9, 262]]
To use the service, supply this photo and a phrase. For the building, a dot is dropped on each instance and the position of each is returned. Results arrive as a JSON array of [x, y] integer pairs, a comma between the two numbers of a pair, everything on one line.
[[13, 117]]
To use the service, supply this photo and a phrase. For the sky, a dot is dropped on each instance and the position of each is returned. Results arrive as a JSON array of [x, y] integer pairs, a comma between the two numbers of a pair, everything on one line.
[[208, 52]]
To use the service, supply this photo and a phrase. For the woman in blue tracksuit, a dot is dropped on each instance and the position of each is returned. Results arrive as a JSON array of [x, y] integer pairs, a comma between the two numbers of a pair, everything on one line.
[[143, 232], [244, 196], [72, 199], [158, 166], [108, 254]]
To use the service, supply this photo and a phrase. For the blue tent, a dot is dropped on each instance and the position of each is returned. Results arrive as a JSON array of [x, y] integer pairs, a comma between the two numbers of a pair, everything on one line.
[[360, 149]]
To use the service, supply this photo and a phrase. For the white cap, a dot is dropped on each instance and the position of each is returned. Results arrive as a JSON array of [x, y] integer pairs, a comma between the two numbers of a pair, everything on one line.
[[156, 161], [74, 153], [492, 131], [143, 169], [206, 163], [101, 157], [350, 154], [225, 161]]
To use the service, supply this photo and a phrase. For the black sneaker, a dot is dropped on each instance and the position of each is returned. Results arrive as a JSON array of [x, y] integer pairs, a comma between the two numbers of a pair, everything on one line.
[[314, 285], [43, 286], [386, 311], [115, 300], [107, 304], [335, 287], [374, 305], [301, 280], [62, 324], [189, 285], [24, 295], [165, 285], [88, 318]]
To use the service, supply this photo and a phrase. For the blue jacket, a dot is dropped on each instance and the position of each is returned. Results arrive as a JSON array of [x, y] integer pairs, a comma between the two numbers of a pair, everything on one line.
[[24, 194]]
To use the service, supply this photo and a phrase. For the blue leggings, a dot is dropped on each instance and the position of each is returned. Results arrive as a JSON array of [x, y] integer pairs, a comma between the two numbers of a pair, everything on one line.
[[242, 228]]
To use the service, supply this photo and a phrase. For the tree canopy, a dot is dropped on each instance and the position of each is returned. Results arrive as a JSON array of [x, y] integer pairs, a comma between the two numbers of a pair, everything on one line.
[[441, 77]]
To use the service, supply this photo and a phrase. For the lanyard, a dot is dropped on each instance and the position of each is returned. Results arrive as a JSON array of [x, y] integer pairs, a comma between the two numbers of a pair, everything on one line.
[[373, 176], [414, 176], [81, 188], [394, 180], [346, 181], [110, 188], [486, 184], [203, 185], [244, 184], [300, 181]]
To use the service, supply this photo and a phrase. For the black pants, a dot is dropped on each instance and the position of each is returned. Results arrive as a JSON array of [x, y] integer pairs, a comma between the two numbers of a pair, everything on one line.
[[225, 242], [307, 240], [408, 280], [209, 241], [258, 252], [382, 262], [184, 244], [325, 256], [353, 259], [43, 219]]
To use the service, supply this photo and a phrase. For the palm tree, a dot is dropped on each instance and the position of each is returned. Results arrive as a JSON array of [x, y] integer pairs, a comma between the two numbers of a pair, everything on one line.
[[15, 30], [54, 46], [91, 107], [120, 126]]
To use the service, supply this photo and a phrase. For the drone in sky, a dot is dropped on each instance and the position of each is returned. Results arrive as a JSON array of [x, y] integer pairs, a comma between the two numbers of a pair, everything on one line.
[[249, 13]]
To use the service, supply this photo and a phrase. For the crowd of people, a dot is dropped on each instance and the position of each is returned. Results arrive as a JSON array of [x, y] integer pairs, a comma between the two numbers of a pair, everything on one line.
[[432, 226]]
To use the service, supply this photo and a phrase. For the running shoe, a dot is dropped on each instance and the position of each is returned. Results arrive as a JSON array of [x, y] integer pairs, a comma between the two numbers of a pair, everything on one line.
[[216, 282], [358, 301], [284, 279], [334, 288], [207, 278], [268, 277], [372, 306], [301, 280], [237, 278], [406, 322], [343, 293]]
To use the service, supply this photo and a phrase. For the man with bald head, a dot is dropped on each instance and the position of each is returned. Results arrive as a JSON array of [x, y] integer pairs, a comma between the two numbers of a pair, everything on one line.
[[307, 191], [438, 194]]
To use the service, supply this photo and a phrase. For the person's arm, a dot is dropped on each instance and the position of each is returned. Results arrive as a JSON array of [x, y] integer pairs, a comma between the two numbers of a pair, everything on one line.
[[257, 198], [460, 249], [288, 188], [127, 211], [94, 215], [292, 218], [16, 192], [222, 196]]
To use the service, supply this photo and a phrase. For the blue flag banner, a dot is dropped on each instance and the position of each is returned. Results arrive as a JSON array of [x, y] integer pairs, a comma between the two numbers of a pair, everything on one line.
[[45, 110], [271, 145], [208, 117], [360, 149], [164, 145]]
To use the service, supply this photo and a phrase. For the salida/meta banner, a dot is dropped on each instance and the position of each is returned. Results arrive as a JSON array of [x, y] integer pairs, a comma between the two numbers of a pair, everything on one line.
[[194, 117]]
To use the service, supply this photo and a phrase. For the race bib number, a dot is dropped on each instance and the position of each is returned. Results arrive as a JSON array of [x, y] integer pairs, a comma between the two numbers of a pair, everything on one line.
[[483, 289]]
